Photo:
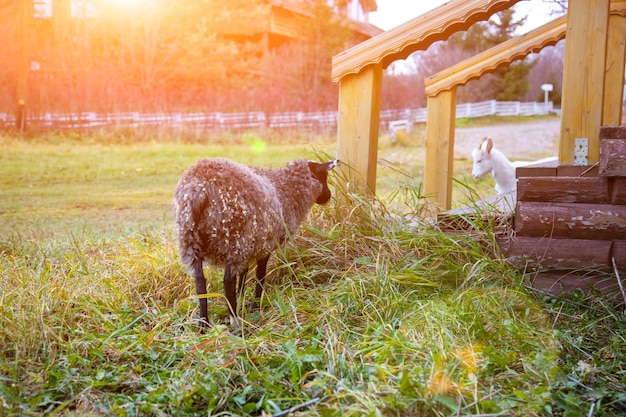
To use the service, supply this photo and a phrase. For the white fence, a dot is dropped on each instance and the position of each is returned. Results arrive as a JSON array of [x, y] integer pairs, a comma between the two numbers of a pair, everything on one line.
[[311, 121], [503, 108], [471, 110], [208, 121]]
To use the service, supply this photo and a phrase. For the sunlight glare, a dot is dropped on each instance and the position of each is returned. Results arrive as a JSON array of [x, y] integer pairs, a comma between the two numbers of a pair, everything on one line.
[[127, 3]]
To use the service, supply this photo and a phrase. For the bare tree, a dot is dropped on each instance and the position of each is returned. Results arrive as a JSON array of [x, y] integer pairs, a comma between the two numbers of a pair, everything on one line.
[[164, 55], [9, 58], [518, 81], [547, 70]]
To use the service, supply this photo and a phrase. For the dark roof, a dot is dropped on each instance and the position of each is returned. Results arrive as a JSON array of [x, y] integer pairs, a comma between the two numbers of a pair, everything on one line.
[[296, 5], [364, 28]]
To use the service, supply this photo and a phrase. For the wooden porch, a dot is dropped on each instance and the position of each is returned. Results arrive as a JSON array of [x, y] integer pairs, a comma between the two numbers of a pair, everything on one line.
[[593, 85], [565, 227]]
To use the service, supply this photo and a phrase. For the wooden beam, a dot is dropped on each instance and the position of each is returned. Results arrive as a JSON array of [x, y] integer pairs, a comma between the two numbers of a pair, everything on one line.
[[532, 252], [416, 34], [357, 130], [615, 57], [440, 148], [564, 189], [583, 77], [618, 7], [613, 157], [571, 220], [560, 281], [493, 58], [618, 192], [619, 253]]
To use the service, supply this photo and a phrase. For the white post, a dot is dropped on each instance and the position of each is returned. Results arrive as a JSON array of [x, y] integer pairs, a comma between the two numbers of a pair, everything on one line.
[[546, 89]]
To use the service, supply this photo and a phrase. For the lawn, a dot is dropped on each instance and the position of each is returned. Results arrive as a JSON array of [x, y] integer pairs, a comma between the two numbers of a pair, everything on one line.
[[365, 313]]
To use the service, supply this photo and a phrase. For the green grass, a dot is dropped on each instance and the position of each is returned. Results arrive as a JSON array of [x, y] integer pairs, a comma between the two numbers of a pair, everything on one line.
[[364, 314], [52, 184]]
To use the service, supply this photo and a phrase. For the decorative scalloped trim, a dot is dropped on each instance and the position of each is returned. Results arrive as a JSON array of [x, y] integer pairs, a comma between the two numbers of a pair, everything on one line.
[[547, 35], [418, 33]]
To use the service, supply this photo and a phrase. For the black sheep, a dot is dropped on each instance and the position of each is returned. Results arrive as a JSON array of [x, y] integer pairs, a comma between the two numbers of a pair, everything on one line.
[[229, 215]]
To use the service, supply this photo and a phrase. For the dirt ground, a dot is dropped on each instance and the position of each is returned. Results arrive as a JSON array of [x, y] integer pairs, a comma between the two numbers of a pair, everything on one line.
[[523, 141], [519, 142]]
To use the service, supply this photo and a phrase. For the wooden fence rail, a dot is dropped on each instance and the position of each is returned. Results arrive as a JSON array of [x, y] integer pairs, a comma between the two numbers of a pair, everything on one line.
[[323, 121]]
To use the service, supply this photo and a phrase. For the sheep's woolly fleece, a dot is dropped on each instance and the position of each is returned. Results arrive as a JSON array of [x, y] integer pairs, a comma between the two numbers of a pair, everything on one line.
[[231, 214]]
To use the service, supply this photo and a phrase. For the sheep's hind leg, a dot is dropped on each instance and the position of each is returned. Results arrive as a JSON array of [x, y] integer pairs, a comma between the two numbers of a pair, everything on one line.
[[230, 289], [198, 274], [241, 281], [261, 270]]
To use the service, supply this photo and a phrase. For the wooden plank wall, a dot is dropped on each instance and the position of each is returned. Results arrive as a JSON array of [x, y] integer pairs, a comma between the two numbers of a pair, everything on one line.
[[567, 224]]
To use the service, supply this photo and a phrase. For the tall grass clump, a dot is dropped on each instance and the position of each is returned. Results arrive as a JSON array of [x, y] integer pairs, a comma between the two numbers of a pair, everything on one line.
[[422, 322]]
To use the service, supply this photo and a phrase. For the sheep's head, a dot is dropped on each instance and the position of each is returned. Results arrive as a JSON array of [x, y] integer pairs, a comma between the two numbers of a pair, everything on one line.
[[320, 172], [482, 158]]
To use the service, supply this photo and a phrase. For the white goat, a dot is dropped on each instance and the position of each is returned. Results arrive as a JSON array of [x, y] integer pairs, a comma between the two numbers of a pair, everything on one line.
[[489, 159]]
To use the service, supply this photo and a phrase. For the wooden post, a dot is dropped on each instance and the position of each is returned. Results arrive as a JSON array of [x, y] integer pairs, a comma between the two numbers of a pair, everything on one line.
[[24, 67], [583, 76], [440, 148], [357, 130], [614, 79]]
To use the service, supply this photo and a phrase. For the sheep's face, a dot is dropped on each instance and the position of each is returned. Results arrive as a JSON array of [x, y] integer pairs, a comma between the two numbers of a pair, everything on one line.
[[320, 172], [482, 158]]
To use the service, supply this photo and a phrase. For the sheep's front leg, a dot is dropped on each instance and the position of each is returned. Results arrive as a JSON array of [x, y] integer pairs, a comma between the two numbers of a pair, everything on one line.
[[261, 270], [230, 289], [198, 274]]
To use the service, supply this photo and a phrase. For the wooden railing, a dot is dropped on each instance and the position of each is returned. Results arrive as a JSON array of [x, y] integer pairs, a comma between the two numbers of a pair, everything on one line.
[[441, 88], [358, 71], [593, 81]]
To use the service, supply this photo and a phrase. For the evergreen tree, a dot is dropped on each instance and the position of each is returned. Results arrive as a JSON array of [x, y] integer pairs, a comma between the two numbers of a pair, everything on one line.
[[506, 83], [511, 81]]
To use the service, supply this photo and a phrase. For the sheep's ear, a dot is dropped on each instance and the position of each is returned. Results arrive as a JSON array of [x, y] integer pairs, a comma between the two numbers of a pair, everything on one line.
[[332, 164], [317, 167]]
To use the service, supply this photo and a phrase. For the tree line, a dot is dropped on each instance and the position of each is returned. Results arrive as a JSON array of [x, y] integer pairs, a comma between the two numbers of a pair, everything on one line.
[[207, 55]]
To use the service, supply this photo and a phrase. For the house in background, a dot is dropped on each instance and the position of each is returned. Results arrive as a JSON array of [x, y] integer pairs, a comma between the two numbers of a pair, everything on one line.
[[274, 21], [356, 13], [283, 21]]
